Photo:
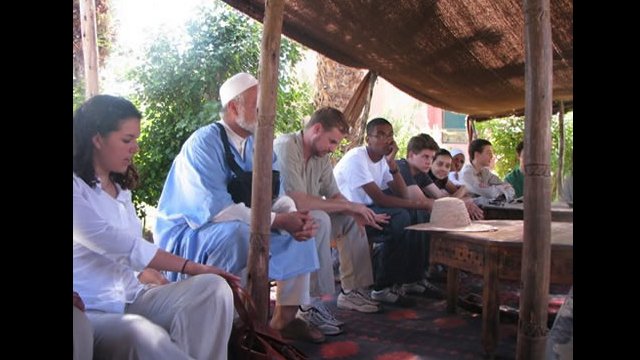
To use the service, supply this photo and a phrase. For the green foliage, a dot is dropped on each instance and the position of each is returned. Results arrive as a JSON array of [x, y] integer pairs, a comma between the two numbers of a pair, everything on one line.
[[403, 129], [505, 133], [340, 150], [78, 94], [178, 82], [294, 103]]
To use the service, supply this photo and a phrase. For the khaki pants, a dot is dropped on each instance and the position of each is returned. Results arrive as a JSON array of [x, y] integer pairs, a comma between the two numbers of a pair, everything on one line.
[[353, 249], [82, 336], [190, 319]]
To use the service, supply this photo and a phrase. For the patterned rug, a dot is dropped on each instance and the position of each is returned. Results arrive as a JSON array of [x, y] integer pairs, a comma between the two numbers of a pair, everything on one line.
[[426, 330], [470, 297]]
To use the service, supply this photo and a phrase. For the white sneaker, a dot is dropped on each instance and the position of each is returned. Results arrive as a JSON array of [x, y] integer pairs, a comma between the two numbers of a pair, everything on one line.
[[314, 317], [354, 300], [366, 295], [327, 315], [385, 295]]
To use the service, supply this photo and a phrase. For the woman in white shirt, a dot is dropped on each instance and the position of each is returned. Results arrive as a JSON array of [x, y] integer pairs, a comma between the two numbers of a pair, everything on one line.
[[135, 317]]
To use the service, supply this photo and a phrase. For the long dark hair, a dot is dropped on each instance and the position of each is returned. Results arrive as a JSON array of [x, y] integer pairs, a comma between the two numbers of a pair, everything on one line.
[[101, 114]]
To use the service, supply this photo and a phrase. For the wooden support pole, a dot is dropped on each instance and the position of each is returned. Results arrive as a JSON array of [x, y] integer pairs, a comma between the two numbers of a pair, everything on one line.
[[356, 112], [89, 46], [364, 117], [258, 262], [536, 252], [471, 128], [559, 175]]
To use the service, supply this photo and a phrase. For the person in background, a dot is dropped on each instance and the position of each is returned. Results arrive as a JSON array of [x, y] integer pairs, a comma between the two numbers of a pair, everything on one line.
[[191, 319], [567, 190], [198, 218], [516, 176], [420, 153], [567, 187], [363, 175], [479, 180], [423, 157], [444, 187], [439, 174], [307, 177], [457, 162]]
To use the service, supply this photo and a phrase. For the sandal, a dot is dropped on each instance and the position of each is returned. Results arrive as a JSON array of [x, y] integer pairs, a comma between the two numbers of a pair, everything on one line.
[[299, 330]]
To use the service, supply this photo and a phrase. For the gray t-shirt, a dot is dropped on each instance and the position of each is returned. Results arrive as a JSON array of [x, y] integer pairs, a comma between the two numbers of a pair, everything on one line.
[[313, 178], [421, 179]]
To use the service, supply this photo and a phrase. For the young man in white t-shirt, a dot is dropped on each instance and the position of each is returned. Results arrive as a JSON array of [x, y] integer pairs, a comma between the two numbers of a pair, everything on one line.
[[363, 174]]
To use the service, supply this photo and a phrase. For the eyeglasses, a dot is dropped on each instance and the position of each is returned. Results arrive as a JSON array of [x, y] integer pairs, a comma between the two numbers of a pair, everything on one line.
[[382, 136]]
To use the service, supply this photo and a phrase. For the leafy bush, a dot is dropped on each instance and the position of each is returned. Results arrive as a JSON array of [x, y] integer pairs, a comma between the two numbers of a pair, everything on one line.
[[178, 82], [78, 94], [505, 133]]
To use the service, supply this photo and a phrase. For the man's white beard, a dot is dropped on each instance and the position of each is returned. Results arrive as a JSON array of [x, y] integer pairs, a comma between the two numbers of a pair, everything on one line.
[[242, 122]]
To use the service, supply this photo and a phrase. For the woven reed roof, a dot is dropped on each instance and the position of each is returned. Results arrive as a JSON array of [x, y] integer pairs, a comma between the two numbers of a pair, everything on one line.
[[460, 55]]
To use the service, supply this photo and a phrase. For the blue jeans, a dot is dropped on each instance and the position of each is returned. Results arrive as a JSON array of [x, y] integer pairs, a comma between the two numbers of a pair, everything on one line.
[[399, 256]]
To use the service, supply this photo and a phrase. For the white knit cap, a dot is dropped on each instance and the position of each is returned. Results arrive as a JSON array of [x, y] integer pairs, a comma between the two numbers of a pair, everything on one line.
[[455, 152], [236, 85]]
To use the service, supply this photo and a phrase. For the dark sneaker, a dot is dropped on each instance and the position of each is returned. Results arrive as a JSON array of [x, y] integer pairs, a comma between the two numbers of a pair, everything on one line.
[[392, 295], [431, 290]]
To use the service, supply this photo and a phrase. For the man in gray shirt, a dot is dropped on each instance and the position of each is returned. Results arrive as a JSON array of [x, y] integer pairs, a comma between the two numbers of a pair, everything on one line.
[[307, 177]]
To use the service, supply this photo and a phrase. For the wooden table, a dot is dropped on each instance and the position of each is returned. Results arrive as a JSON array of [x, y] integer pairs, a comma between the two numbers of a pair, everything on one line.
[[496, 255], [515, 211]]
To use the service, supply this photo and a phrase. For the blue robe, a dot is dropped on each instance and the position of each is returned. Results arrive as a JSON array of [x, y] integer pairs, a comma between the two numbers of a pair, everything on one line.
[[195, 191]]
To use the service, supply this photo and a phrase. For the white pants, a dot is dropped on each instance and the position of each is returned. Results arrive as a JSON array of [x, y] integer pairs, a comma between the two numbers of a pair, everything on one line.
[[294, 291], [353, 249], [82, 336], [190, 319]]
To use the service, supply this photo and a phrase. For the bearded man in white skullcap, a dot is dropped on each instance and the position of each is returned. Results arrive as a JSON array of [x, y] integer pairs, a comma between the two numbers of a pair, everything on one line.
[[199, 220]]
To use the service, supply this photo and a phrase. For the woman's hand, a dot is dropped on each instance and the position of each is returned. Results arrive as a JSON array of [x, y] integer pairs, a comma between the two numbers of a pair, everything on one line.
[[152, 276], [77, 301]]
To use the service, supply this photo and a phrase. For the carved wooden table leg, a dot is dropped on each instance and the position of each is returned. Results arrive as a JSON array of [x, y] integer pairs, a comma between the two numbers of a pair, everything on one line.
[[490, 301], [452, 289]]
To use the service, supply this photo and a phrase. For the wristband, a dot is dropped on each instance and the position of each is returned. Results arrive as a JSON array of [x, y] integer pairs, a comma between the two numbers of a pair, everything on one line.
[[184, 266]]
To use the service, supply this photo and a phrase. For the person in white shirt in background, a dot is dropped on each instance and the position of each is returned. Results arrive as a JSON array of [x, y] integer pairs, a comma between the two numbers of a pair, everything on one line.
[[457, 161], [190, 319], [479, 179]]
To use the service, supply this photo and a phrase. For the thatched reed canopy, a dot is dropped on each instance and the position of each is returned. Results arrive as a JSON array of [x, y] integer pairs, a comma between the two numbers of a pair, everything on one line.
[[462, 56]]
